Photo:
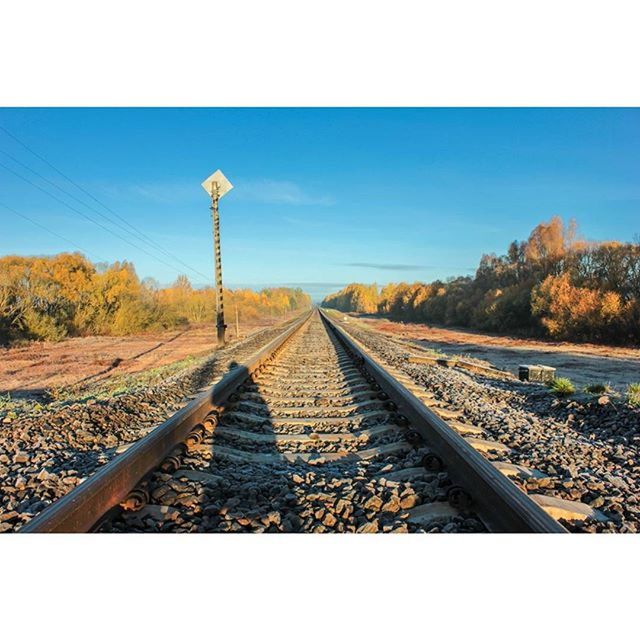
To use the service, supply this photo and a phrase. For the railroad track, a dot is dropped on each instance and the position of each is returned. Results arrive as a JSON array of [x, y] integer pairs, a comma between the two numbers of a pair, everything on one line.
[[313, 433]]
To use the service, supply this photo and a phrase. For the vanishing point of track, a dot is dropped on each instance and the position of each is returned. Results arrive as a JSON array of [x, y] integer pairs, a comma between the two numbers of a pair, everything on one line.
[[311, 434]]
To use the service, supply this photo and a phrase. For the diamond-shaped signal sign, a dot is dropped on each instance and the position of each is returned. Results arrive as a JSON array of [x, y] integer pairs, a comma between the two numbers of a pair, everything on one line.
[[224, 186]]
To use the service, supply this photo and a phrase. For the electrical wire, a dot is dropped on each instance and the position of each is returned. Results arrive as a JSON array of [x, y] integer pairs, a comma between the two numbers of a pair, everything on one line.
[[89, 218], [143, 237], [54, 233]]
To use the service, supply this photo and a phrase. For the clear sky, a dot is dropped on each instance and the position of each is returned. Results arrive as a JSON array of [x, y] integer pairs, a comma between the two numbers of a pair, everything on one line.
[[322, 197]]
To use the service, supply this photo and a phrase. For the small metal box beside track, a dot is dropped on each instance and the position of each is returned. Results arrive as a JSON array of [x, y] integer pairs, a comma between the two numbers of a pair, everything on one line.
[[536, 373]]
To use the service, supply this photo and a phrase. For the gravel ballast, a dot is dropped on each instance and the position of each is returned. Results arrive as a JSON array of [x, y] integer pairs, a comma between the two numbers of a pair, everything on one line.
[[260, 471], [46, 454], [588, 449]]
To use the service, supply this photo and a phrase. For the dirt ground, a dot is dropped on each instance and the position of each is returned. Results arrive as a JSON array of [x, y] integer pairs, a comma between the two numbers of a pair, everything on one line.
[[29, 371], [584, 364]]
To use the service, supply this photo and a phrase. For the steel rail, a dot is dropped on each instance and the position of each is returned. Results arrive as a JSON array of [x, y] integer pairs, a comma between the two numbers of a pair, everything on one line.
[[500, 503], [84, 506]]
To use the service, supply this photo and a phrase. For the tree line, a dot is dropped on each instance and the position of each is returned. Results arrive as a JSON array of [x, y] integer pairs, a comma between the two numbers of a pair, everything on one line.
[[554, 284], [50, 298]]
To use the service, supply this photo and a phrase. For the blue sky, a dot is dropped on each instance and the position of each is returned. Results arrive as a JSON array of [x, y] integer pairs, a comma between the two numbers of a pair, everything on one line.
[[322, 197]]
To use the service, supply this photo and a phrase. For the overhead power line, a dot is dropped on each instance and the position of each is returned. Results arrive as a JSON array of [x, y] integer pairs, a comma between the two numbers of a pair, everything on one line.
[[141, 236], [84, 204], [54, 233], [86, 217]]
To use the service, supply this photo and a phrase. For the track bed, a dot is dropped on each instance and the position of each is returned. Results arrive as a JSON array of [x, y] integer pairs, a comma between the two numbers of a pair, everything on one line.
[[308, 444]]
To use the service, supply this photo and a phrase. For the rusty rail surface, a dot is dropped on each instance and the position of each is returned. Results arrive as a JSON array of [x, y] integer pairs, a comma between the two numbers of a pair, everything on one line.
[[85, 505], [502, 506]]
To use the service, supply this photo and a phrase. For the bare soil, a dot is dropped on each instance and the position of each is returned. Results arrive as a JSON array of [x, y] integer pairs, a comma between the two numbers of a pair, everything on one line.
[[33, 370], [584, 364]]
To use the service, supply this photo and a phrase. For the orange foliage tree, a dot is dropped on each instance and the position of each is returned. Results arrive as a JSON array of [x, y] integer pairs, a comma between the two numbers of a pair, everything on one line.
[[354, 297], [53, 297], [553, 284], [578, 313]]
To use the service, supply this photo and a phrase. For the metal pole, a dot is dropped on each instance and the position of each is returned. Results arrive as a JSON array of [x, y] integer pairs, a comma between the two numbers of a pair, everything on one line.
[[237, 323], [218, 266]]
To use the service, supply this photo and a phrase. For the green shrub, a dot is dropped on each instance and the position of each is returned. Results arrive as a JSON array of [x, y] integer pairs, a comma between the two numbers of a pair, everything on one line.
[[633, 394], [562, 387], [598, 388]]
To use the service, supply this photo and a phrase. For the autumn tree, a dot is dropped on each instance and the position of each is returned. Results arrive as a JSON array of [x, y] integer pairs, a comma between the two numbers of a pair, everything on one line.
[[355, 297], [53, 297], [553, 284]]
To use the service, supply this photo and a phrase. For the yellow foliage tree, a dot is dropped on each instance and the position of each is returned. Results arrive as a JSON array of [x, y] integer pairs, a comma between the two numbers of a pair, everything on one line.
[[50, 298]]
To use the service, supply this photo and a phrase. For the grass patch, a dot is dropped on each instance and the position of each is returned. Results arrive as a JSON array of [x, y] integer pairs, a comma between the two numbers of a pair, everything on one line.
[[122, 384], [5, 401], [562, 387], [12, 408], [151, 377], [633, 394], [130, 382], [15, 407], [599, 388]]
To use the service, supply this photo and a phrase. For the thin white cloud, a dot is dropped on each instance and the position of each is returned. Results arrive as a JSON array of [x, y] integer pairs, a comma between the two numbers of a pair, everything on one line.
[[262, 190], [401, 267], [166, 192], [278, 192], [304, 222]]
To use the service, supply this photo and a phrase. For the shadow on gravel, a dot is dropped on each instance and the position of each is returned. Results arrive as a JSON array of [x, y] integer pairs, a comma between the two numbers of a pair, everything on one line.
[[245, 478], [270, 492], [256, 495]]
